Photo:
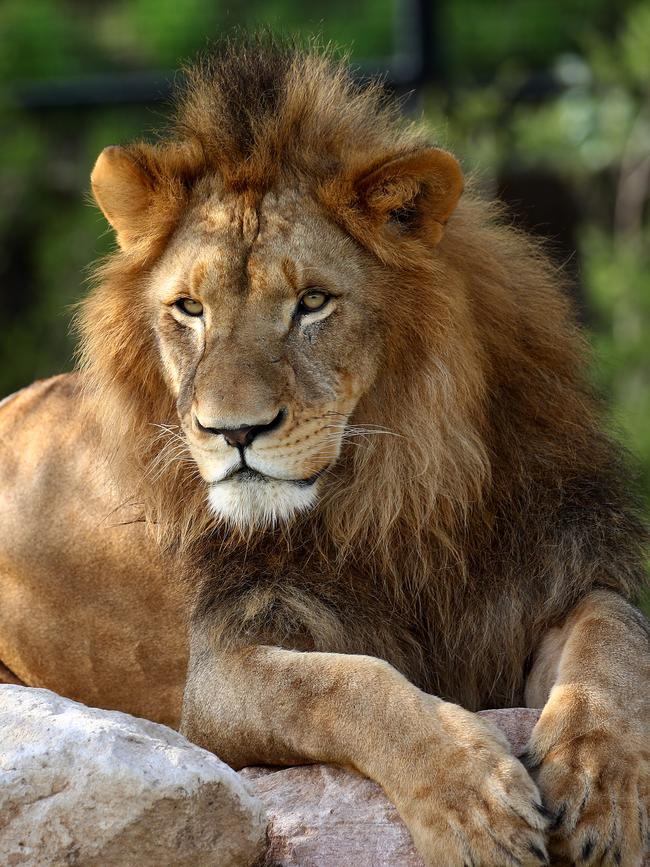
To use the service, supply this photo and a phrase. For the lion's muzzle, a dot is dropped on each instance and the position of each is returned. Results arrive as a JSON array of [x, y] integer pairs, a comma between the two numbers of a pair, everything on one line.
[[242, 436]]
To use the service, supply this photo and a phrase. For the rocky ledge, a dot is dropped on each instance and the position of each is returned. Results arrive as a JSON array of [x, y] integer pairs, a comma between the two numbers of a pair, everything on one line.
[[92, 788]]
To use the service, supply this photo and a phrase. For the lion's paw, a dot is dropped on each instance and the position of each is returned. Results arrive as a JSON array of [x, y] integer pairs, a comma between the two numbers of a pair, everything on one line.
[[596, 790], [476, 807], [500, 824]]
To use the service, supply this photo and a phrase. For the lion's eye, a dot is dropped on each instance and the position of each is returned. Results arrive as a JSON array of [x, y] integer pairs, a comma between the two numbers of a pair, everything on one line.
[[190, 306], [313, 301]]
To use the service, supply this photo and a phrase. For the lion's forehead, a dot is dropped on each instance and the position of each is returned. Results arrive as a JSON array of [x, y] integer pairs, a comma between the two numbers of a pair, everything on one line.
[[271, 246]]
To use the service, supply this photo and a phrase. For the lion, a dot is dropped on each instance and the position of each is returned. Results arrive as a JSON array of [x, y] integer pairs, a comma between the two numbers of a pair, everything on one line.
[[330, 475]]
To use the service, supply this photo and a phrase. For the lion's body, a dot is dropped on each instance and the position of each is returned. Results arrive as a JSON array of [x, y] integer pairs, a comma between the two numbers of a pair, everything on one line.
[[87, 609], [350, 419]]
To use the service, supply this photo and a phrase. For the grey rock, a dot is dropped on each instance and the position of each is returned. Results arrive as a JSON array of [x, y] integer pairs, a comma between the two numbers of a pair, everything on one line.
[[92, 788]]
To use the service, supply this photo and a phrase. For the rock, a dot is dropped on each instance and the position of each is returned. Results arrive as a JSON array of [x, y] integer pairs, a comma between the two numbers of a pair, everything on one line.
[[324, 816], [93, 788], [516, 723]]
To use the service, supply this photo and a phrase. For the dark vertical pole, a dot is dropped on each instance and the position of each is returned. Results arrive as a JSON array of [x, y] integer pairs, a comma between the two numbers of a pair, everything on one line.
[[418, 40], [431, 60]]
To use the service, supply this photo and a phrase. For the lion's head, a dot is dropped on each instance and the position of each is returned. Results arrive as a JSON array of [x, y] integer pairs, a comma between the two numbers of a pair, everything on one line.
[[269, 274]]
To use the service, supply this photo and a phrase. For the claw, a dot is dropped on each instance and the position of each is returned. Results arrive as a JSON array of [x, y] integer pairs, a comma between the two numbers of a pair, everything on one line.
[[587, 849], [541, 856], [559, 818], [529, 761], [543, 811]]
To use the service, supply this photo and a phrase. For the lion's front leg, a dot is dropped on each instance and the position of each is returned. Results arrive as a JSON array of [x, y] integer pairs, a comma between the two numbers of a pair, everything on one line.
[[464, 797], [590, 750]]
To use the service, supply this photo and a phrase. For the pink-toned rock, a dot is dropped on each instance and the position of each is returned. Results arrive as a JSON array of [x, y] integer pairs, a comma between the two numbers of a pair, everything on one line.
[[516, 723], [324, 816]]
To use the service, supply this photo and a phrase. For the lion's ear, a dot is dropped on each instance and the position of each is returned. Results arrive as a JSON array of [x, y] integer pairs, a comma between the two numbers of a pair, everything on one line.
[[416, 190], [124, 191]]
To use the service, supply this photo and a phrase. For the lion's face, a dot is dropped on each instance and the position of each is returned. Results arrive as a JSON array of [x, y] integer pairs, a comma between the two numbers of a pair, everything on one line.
[[274, 298], [268, 324]]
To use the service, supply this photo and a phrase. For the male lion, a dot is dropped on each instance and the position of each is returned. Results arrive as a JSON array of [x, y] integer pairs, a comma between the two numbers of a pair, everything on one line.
[[348, 409]]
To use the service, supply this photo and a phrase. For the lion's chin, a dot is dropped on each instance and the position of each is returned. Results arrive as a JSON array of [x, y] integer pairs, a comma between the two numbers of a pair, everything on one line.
[[260, 503]]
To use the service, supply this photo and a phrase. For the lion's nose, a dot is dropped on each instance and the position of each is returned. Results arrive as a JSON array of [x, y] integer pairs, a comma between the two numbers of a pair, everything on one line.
[[240, 437]]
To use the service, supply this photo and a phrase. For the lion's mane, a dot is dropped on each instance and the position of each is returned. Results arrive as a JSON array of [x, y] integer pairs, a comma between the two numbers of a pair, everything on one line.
[[447, 545]]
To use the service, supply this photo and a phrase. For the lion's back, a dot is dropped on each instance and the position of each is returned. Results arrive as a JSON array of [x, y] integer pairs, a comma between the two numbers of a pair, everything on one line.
[[83, 603]]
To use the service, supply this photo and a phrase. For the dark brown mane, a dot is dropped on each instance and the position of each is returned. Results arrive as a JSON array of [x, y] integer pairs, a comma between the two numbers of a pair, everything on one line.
[[260, 106], [449, 546]]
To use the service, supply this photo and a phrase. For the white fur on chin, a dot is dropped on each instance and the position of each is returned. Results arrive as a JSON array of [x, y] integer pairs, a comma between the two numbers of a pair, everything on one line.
[[257, 503]]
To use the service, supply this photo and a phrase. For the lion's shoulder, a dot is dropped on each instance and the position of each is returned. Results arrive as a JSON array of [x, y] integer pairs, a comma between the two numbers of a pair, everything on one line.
[[35, 402]]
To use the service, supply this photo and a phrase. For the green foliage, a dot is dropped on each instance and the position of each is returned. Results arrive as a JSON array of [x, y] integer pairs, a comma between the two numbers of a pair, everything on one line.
[[44, 39], [618, 275], [38, 41], [520, 36]]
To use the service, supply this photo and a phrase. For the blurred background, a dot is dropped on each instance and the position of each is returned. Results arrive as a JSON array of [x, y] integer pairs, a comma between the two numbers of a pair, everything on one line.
[[546, 102]]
